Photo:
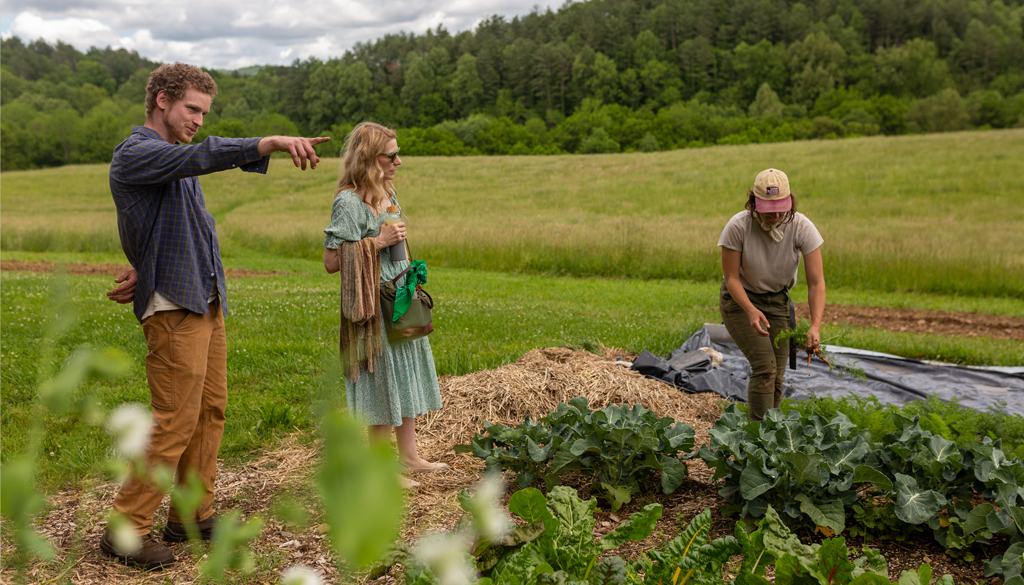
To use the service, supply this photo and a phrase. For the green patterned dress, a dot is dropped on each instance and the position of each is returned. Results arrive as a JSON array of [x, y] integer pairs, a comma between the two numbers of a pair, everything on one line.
[[405, 383]]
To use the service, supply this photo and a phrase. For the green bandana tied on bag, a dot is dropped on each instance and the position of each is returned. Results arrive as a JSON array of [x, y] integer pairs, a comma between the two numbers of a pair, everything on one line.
[[417, 274], [406, 309]]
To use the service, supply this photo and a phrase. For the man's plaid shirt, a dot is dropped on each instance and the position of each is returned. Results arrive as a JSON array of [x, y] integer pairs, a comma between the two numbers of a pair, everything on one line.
[[166, 232]]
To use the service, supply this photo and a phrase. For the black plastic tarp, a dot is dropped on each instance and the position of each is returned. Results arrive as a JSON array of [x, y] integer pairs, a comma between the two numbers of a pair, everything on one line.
[[890, 379]]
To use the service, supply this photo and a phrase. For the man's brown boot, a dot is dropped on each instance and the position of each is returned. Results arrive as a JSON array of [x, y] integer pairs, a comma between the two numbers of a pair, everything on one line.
[[175, 532], [151, 555]]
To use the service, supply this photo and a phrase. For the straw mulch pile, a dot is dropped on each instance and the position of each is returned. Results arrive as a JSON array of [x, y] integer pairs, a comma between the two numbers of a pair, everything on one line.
[[541, 379], [532, 387]]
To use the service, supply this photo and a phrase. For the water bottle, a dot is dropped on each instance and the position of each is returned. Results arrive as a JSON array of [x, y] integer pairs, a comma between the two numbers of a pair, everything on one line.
[[398, 251]]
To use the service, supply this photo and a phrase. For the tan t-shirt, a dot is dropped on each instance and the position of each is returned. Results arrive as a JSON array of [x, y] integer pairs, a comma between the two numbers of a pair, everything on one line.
[[766, 265]]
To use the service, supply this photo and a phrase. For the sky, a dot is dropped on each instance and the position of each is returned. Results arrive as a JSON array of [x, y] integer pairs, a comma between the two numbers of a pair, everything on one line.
[[231, 34]]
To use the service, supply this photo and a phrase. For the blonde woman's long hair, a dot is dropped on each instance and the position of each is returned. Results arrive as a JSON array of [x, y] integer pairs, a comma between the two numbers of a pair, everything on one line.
[[360, 170]]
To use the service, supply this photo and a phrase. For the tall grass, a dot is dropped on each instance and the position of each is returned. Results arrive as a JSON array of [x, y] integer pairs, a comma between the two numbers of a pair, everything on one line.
[[936, 213], [46, 239]]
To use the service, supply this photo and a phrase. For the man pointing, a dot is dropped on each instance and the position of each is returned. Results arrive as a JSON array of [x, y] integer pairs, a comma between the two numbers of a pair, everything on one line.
[[179, 291]]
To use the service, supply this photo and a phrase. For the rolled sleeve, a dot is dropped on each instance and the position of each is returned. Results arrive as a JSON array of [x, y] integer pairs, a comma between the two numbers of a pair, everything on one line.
[[251, 152], [350, 221], [732, 235]]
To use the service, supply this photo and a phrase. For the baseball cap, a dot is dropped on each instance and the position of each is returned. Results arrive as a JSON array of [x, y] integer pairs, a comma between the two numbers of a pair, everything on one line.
[[771, 192]]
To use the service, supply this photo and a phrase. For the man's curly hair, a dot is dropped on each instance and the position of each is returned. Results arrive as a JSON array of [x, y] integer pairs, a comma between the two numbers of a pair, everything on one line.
[[175, 80]]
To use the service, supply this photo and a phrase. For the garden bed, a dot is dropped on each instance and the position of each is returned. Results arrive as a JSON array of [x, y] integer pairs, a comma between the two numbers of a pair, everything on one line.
[[530, 387]]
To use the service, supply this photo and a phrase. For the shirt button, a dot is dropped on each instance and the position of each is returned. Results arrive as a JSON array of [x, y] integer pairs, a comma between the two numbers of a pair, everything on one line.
[[212, 274]]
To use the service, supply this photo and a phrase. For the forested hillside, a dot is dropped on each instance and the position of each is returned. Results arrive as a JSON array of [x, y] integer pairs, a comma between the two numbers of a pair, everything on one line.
[[595, 76]]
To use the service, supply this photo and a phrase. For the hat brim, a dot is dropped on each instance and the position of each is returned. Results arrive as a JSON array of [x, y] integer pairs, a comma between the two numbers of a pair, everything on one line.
[[774, 206]]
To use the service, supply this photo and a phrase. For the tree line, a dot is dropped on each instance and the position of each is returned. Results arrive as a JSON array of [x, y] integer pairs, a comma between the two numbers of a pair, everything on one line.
[[593, 76]]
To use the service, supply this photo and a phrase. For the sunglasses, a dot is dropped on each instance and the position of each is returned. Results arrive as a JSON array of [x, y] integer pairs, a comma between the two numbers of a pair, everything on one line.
[[391, 155]]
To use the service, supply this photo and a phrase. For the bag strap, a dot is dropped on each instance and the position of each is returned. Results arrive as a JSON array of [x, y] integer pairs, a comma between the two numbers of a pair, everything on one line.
[[394, 280], [430, 300]]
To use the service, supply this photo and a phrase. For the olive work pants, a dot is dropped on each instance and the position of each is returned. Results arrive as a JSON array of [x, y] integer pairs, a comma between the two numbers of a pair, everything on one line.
[[187, 370], [767, 362]]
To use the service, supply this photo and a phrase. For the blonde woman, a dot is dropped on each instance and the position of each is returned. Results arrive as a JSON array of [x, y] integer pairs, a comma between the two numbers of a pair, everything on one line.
[[387, 385]]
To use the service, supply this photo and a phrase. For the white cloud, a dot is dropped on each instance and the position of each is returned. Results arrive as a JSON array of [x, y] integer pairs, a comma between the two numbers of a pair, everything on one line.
[[72, 30], [223, 34]]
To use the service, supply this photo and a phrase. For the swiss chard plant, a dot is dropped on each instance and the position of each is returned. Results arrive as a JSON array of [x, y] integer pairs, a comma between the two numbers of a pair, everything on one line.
[[623, 447], [693, 558], [555, 545], [567, 543], [826, 563]]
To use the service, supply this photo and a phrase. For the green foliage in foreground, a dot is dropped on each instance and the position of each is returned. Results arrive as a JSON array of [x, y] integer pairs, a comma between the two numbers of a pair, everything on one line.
[[812, 470], [557, 545], [58, 396], [823, 474], [622, 447], [567, 544]]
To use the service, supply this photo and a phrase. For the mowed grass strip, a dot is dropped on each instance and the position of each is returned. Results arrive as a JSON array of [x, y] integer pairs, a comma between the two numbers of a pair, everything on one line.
[[282, 339], [936, 213]]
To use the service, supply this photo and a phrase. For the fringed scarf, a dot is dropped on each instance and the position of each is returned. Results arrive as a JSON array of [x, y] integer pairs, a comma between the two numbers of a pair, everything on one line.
[[361, 340]]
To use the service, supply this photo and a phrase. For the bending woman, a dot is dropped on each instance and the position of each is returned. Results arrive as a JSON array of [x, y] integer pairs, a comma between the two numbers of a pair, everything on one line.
[[761, 250], [387, 385]]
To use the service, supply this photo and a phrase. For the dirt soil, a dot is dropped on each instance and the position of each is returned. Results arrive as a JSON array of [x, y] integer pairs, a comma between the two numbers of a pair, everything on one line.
[[922, 321]]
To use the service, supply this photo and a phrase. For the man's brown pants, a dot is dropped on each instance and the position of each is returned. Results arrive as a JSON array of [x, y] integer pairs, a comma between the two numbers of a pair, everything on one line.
[[187, 370]]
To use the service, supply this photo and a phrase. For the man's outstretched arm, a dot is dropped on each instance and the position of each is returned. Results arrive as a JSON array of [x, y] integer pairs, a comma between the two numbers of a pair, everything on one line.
[[300, 148]]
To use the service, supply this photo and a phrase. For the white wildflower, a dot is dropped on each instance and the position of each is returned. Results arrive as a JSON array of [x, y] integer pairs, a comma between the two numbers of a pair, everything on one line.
[[301, 575], [123, 534], [448, 557], [131, 425], [489, 516]]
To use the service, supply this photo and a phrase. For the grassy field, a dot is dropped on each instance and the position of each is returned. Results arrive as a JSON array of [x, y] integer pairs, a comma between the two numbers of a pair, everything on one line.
[[923, 222], [282, 335], [936, 213]]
